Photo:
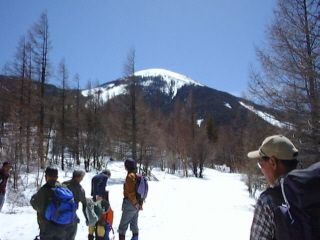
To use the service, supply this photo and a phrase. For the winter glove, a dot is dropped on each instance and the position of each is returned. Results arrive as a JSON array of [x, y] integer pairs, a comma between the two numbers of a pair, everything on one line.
[[108, 228]]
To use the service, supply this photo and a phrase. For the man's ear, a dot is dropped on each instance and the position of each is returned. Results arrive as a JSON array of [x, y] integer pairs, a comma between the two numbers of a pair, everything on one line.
[[274, 163]]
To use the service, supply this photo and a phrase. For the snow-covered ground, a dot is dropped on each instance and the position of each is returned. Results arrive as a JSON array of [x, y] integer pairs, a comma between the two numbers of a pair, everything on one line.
[[177, 208]]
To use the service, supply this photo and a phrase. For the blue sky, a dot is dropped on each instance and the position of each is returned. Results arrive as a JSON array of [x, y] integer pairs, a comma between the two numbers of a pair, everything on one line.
[[211, 41]]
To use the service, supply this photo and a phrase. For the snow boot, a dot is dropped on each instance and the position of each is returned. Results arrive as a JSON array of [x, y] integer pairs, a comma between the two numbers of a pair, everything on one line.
[[135, 236], [122, 237], [90, 237], [101, 238]]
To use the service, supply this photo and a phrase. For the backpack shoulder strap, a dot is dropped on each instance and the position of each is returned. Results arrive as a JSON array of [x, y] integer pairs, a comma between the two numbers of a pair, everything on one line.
[[137, 176], [55, 199], [276, 195]]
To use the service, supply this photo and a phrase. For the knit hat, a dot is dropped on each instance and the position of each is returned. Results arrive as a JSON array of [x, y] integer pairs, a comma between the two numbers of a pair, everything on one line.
[[129, 163], [51, 171], [78, 173], [277, 146], [107, 172], [7, 164]]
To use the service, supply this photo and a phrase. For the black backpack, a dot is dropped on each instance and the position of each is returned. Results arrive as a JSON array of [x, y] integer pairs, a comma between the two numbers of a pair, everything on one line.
[[297, 200]]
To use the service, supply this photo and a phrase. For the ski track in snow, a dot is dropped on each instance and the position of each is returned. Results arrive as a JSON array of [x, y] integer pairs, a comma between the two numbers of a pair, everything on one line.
[[177, 208]]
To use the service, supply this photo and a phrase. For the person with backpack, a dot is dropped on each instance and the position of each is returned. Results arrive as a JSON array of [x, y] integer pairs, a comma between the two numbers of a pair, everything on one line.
[[55, 207], [100, 198], [4, 175], [79, 196], [99, 183], [98, 225], [130, 206], [277, 156]]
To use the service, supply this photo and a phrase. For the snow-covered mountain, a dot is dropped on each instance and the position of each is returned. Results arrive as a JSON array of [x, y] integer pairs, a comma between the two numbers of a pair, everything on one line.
[[172, 87], [162, 89], [170, 81]]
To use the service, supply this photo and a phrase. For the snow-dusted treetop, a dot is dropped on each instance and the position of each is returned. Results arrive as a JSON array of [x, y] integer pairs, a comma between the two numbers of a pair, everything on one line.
[[174, 82]]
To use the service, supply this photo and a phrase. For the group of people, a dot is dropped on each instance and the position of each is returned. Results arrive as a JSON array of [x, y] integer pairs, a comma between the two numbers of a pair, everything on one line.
[[276, 157], [50, 230]]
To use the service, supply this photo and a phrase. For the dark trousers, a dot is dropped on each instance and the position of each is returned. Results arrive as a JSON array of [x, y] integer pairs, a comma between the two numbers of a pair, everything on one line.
[[2, 197], [72, 229], [52, 231]]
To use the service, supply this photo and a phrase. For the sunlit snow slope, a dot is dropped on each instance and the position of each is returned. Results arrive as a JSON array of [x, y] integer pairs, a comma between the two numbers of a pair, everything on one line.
[[174, 81]]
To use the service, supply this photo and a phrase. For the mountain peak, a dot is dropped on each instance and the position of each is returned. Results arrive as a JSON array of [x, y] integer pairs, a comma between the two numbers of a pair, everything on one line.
[[173, 82], [168, 76]]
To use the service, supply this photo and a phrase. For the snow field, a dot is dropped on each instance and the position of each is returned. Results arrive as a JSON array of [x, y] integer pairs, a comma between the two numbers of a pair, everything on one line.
[[177, 208]]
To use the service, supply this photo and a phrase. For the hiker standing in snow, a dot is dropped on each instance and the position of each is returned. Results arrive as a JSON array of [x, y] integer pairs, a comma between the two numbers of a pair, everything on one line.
[[4, 175], [277, 156], [101, 198], [79, 196], [99, 183], [130, 205], [39, 201], [97, 223]]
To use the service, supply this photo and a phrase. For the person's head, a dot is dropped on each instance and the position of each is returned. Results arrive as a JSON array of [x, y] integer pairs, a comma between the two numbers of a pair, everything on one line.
[[130, 164], [51, 173], [107, 172], [6, 167], [78, 175], [276, 156]]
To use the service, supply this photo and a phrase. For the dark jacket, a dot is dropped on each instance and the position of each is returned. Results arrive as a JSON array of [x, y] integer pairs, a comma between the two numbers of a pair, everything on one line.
[[98, 185], [78, 193], [40, 200], [3, 181]]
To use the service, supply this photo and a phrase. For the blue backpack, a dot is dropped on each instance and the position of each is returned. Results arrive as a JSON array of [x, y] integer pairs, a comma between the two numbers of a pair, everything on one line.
[[62, 207], [141, 187], [297, 215]]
